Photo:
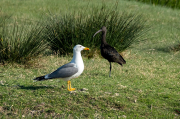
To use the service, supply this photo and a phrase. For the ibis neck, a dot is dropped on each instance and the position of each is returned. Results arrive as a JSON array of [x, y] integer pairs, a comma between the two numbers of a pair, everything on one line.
[[103, 40]]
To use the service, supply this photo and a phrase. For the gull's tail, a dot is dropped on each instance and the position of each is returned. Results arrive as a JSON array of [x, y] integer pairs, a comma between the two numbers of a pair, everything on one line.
[[41, 78]]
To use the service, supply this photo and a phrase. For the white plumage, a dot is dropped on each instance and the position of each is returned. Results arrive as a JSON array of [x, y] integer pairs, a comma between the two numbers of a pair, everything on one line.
[[69, 70]]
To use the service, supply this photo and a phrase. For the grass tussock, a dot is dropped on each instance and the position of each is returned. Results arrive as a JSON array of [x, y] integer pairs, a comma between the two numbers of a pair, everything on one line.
[[64, 32], [21, 43]]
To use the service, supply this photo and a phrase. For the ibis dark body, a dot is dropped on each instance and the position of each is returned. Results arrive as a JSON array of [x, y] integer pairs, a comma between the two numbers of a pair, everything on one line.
[[109, 52]]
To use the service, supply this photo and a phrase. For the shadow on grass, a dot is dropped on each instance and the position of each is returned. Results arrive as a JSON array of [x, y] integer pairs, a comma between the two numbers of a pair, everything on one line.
[[160, 49], [177, 111], [169, 49], [30, 87], [100, 74], [177, 107], [34, 87], [164, 49]]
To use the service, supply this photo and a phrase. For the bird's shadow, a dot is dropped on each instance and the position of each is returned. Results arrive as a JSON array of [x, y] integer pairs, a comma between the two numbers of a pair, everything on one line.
[[164, 49], [29, 87], [99, 74], [34, 87]]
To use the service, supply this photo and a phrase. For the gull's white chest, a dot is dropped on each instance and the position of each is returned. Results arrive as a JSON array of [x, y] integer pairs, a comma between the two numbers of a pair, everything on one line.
[[80, 66]]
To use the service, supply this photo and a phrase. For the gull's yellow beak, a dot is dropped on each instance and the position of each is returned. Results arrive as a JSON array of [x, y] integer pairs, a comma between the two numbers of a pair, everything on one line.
[[86, 48]]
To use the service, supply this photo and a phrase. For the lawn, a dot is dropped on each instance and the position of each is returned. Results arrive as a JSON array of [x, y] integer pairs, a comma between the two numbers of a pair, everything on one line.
[[147, 86]]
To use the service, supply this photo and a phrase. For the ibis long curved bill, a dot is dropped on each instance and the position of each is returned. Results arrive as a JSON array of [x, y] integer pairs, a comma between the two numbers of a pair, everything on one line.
[[97, 32]]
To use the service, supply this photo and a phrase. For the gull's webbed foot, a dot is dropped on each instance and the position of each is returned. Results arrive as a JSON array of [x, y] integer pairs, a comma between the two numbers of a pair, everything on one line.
[[69, 86]]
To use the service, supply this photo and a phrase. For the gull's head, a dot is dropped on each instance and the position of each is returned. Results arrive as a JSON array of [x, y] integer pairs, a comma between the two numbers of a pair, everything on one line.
[[79, 48]]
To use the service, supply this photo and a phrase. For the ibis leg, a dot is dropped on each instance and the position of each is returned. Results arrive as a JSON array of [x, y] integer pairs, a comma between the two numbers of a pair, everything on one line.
[[110, 70], [69, 86]]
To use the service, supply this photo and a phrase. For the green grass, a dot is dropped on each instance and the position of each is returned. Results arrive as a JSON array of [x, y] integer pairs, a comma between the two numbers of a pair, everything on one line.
[[146, 87], [154, 85]]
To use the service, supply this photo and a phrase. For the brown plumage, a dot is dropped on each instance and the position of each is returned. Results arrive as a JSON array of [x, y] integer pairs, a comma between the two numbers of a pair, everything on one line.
[[108, 52]]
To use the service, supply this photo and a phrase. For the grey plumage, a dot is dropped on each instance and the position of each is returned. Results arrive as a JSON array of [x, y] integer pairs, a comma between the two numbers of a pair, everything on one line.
[[64, 71], [70, 70]]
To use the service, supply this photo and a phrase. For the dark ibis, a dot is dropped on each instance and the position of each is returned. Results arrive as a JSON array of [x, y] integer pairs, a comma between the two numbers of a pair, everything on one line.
[[109, 52]]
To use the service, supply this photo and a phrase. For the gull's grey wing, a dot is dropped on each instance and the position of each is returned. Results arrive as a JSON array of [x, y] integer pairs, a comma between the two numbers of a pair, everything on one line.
[[64, 71]]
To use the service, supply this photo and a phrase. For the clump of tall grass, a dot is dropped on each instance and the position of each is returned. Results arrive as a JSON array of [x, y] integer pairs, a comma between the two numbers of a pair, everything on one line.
[[167, 3], [78, 28], [19, 43]]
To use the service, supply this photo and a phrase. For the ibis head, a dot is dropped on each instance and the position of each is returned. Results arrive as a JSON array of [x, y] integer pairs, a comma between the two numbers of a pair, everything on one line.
[[103, 29]]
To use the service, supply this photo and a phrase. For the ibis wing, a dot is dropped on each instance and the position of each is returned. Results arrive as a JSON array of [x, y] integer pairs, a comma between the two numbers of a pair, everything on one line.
[[112, 55]]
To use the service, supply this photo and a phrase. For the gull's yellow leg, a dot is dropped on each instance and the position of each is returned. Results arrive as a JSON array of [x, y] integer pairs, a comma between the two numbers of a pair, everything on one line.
[[71, 89], [69, 86]]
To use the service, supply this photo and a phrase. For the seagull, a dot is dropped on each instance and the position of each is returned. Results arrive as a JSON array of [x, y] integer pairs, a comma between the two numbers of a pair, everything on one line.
[[108, 52], [70, 70]]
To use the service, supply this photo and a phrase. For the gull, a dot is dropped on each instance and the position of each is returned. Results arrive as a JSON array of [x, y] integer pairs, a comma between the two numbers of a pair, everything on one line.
[[70, 70]]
